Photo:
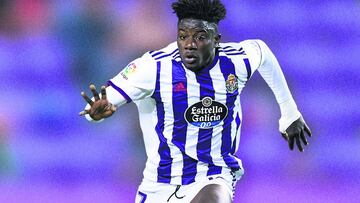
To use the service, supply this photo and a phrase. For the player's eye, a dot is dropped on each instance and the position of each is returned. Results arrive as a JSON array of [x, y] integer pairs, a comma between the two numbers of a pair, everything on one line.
[[181, 37], [200, 38]]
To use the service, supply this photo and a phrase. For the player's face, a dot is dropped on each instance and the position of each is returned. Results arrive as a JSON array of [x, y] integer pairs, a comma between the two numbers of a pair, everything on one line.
[[197, 40]]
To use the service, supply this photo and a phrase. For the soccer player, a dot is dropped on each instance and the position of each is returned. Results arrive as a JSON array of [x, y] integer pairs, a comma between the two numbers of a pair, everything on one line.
[[188, 98]]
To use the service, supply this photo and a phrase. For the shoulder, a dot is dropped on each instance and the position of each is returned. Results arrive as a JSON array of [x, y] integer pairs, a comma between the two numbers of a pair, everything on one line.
[[171, 51], [148, 62], [252, 49], [250, 45]]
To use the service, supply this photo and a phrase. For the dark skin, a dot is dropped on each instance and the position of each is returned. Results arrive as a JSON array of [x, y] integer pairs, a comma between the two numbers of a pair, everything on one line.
[[296, 133], [197, 41], [99, 108], [213, 193]]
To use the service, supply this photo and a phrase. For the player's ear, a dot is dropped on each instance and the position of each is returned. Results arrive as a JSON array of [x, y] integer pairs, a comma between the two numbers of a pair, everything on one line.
[[217, 39]]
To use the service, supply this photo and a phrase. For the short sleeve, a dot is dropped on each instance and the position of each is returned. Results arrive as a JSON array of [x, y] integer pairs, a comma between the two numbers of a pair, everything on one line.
[[137, 80]]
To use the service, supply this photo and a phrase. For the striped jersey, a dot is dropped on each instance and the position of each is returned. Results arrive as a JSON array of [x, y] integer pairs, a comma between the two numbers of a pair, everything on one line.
[[191, 120]]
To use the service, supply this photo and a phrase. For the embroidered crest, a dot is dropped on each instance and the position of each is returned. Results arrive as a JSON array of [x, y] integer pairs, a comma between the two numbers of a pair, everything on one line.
[[231, 83]]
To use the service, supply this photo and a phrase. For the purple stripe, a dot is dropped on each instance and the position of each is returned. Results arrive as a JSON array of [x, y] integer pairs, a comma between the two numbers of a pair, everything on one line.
[[227, 68], [204, 137], [157, 53], [189, 170], [248, 68], [166, 55], [227, 47], [234, 54], [213, 170], [179, 99], [238, 121], [143, 197], [128, 99], [164, 168], [230, 50]]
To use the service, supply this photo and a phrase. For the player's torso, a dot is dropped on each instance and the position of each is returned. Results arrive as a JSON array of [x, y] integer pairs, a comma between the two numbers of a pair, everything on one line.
[[203, 99], [196, 116]]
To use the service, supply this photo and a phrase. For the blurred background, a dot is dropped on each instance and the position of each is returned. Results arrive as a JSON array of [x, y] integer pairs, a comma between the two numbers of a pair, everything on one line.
[[51, 50]]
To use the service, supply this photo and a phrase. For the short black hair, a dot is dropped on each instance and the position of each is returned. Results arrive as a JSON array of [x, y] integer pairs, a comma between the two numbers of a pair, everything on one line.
[[209, 10]]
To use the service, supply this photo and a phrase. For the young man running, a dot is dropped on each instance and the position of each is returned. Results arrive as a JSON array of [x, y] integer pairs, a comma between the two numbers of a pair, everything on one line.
[[188, 98]]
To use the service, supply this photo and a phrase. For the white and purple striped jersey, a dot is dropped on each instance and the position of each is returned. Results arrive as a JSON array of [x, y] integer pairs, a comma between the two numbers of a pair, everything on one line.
[[191, 120]]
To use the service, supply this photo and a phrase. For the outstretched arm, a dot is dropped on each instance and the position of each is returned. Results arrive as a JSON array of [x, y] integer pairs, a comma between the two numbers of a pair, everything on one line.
[[291, 124], [135, 82]]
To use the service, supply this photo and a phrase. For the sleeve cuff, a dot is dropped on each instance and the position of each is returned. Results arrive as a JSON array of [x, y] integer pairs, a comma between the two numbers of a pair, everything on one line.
[[289, 114], [121, 91], [88, 117]]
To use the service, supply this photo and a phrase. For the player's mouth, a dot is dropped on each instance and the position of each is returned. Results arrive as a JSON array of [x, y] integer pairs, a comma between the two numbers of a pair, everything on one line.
[[190, 58]]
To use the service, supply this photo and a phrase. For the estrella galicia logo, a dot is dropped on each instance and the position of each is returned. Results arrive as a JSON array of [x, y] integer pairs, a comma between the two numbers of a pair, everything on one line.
[[206, 114]]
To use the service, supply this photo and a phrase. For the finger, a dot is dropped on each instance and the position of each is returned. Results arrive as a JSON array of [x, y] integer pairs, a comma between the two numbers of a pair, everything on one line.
[[291, 142], [87, 99], [285, 136], [103, 92], [82, 113], [303, 138], [307, 130], [95, 93], [299, 144], [110, 107], [113, 108]]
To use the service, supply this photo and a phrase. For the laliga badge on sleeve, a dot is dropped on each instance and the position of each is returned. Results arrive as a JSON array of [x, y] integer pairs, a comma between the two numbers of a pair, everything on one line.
[[128, 71]]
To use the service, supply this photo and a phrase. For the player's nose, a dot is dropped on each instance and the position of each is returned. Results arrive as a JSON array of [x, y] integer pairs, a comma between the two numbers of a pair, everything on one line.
[[190, 43]]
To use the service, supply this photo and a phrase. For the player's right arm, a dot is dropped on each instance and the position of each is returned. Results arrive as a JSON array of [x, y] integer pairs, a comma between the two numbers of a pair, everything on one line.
[[136, 81]]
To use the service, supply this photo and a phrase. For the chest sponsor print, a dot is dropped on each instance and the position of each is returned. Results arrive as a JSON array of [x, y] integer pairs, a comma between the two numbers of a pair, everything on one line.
[[206, 113]]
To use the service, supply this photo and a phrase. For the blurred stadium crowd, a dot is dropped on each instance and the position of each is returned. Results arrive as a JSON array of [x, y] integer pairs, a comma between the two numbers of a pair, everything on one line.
[[50, 50]]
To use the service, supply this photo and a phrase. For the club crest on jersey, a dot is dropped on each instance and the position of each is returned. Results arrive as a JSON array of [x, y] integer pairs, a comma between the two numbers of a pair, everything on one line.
[[206, 114], [231, 83], [128, 70]]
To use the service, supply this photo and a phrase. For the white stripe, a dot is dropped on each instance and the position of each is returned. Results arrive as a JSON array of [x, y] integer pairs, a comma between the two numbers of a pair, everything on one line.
[[233, 123], [191, 140], [147, 111], [241, 73], [166, 96], [220, 96]]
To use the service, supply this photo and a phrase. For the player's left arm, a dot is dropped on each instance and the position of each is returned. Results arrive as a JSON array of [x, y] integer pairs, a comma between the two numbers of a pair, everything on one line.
[[291, 124]]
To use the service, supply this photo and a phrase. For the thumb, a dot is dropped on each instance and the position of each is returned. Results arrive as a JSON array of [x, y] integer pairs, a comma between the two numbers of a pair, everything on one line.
[[113, 107]]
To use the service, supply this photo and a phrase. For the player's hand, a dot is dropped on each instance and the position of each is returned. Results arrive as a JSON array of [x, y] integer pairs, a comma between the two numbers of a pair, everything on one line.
[[99, 108], [296, 133]]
